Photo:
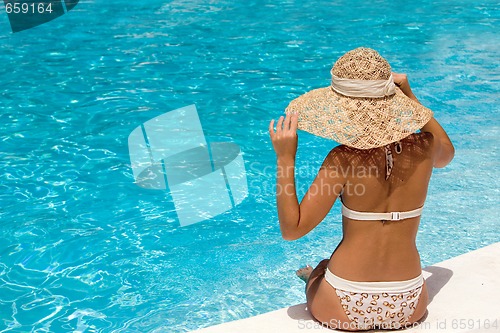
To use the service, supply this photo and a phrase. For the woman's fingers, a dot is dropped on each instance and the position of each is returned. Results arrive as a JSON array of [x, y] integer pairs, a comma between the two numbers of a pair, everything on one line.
[[279, 126], [285, 125], [271, 129], [284, 138], [290, 125], [399, 78], [294, 122]]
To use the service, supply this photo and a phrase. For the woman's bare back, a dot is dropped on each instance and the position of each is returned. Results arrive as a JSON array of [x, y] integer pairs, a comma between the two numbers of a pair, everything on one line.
[[387, 248]]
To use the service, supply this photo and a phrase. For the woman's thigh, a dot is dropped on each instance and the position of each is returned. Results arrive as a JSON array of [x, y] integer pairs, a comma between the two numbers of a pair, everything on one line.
[[323, 302], [421, 306]]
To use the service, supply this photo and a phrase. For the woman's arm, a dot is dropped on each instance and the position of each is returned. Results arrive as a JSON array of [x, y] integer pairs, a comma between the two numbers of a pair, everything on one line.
[[443, 148], [297, 220]]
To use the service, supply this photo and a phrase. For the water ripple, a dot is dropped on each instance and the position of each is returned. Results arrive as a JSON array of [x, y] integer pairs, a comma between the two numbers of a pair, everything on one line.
[[83, 249]]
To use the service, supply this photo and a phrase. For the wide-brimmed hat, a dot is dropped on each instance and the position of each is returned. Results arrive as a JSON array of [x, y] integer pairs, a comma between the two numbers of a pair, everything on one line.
[[362, 108]]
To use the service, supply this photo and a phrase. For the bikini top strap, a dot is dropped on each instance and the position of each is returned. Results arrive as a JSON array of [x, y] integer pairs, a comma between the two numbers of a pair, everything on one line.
[[389, 159], [390, 216]]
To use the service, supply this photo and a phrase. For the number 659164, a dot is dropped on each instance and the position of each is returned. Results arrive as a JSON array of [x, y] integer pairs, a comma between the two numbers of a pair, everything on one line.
[[25, 8]]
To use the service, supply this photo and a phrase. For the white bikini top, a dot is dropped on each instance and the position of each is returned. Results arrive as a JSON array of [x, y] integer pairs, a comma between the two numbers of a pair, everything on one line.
[[391, 216]]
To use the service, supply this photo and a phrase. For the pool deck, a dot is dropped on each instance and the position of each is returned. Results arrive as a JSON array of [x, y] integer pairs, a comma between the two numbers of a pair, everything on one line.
[[463, 297]]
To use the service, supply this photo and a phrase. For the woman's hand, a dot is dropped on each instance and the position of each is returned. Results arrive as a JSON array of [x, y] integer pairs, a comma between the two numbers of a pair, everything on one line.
[[284, 139], [401, 81]]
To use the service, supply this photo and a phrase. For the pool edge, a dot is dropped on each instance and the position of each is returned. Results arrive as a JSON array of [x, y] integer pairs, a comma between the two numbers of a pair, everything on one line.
[[469, 277]]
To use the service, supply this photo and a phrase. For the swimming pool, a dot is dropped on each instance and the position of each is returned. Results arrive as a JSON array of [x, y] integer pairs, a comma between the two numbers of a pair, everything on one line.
[[82, 248]]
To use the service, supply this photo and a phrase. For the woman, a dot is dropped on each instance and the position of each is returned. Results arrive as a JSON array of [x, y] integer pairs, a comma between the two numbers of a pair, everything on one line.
[[381, 172]]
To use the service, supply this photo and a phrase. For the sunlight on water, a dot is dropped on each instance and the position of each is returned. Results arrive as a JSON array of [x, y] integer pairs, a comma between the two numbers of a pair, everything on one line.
[[84, 249]]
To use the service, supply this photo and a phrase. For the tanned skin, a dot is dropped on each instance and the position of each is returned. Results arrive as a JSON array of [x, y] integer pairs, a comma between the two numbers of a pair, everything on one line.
[[369, 251]]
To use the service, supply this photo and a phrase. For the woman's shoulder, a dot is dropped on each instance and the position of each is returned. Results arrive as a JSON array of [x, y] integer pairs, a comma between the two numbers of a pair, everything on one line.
[[424, 138], [419, 144], [423, 141], [341, 155]]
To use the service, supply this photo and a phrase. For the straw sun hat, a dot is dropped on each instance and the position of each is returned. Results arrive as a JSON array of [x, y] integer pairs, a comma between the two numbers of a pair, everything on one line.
[[362, 108]]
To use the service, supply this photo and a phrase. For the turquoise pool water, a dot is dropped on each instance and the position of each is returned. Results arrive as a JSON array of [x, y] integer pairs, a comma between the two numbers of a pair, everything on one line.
[[83, 249]]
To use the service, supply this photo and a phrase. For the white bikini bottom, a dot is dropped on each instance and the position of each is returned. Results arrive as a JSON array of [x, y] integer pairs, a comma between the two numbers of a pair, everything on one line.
[[386, 305]]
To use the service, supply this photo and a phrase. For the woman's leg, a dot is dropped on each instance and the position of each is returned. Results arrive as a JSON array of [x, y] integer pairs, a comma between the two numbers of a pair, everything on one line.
[[323, 302]]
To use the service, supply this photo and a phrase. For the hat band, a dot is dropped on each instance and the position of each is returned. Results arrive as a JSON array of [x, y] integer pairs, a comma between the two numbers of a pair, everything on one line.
[[363, 88]]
